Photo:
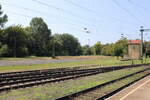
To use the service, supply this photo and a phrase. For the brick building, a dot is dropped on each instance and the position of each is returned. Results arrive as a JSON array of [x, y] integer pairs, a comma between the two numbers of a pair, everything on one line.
[[134, 49]]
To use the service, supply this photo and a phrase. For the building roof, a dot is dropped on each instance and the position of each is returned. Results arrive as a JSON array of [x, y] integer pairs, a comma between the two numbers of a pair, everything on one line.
[[134, 42]]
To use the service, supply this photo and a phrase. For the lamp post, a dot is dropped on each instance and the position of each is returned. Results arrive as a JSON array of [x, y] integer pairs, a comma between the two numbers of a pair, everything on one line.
[[122, 35], [87, 31], [142, 30]]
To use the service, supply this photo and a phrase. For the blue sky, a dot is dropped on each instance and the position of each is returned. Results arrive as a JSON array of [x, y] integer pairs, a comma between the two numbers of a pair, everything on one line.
[[105, 19]]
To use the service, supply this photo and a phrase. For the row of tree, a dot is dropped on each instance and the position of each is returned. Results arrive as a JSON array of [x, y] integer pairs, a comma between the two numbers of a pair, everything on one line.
[[113, 49], [37, 40]]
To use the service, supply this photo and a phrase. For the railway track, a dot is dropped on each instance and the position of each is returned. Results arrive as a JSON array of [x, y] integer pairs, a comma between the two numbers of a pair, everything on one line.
[[15, 80], [94, 90]]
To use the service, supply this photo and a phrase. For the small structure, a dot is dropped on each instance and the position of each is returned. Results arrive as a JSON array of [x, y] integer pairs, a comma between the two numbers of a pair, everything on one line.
[[134, 49]]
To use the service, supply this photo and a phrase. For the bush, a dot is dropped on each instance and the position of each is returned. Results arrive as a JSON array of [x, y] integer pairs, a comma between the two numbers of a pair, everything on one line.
[[3, 50]]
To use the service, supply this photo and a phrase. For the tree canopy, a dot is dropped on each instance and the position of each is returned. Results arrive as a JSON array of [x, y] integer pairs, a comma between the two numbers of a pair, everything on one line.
[[97, 48], [38, 40], [68, 44], [3, 18], [15, 39], [40, 35]]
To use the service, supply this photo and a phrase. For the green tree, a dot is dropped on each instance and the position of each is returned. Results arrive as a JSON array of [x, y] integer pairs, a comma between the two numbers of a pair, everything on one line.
[[1, 35], [97, 48], [15, 40], [71, 44], [3, 18], [30, 41], [147, 48], [108, 50], [68, 44], [41, 36], [58, 45], [3, 50], [87, 50], [120, 47]]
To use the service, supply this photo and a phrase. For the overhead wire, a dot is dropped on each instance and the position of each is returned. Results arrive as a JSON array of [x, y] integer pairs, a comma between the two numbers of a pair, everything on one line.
[[60, 9], [137, 4], [68, 12], [128, 12], [95, 13], [79, 6], [81, 18], [36, 11], [27, 16]]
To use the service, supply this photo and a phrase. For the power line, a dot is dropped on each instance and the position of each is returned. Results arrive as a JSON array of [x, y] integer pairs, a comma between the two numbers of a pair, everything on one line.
[[79, 6], [26, 16], [66, 11], [74, 15], [36, 11], [59, 9], [127, 11], [136, 4], [19, 14], [24, 8], [94, 12], [82, 20]]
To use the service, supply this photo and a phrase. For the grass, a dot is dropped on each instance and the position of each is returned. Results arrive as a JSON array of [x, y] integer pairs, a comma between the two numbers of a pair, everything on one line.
[[110, 61], [93, 95], [54, 90], [121, 83]]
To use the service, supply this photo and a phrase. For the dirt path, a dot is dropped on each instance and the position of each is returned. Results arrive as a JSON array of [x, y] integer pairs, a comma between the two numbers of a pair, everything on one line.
[[35, 61], [46, 60]]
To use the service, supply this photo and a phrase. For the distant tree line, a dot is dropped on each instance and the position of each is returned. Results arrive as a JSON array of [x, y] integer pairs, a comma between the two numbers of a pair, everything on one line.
[[37, 40]]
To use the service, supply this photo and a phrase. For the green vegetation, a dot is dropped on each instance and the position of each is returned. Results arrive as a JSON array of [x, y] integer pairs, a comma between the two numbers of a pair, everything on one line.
[[112, 61], [15, 40], [3, 18], [54, 90], [111, 87], [38, 40], [121, 83], [39, 37], [66, 44]]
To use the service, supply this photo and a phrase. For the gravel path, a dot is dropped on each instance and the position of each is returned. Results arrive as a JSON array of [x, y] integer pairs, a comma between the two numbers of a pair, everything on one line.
[[34, 61]]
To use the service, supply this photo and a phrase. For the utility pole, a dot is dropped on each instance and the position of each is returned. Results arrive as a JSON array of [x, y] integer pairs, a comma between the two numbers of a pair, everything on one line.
[[14, 47], [142, 30], [88, 32], [53, 48]]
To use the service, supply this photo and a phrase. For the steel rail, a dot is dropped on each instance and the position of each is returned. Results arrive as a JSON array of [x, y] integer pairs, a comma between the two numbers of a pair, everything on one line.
[[27, 80], [45, 70], [73, 95], [39, 72], [6, 79]]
